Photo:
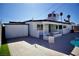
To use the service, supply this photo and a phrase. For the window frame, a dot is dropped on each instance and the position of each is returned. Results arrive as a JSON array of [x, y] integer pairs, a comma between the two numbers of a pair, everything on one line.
[[39, 26]]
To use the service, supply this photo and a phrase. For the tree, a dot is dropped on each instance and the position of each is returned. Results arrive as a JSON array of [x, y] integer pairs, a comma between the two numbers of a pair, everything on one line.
[[54, 15], [61, 14], [49, 15], [68, 16]]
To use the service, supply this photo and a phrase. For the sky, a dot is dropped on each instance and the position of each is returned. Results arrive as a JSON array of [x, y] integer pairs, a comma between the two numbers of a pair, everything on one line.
[[37, 11]]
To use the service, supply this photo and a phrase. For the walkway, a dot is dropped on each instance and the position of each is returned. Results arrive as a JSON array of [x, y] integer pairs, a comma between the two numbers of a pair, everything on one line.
[[22, 48]]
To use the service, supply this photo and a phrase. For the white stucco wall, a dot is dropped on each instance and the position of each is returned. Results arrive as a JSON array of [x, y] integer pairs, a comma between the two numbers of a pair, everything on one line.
[[36, 33], [45, 31], [33, 29], [12, 31], [67, 29]]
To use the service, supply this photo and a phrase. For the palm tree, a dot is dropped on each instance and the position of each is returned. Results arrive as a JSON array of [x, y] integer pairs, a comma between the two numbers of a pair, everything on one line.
[[68, 16], [49, 15], [61, 14], [54, 15]]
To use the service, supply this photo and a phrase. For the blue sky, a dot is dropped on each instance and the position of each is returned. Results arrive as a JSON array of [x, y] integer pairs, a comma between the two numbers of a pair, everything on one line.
[[27, 11]]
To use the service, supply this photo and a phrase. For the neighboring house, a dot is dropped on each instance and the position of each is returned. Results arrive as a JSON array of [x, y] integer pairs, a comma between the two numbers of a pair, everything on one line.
[[76, 28]]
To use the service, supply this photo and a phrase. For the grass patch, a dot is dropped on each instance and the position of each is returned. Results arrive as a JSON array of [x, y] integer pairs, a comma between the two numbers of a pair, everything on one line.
[[4, 50]]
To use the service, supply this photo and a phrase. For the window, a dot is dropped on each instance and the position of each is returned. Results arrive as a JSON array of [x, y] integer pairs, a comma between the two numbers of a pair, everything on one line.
[[64, 26], [60, 26], [39, 27], [56, 26]]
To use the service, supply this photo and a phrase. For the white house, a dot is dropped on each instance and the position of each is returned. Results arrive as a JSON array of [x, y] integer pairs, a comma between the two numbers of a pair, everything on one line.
[[49, 26], [45, 27], [39, 28]]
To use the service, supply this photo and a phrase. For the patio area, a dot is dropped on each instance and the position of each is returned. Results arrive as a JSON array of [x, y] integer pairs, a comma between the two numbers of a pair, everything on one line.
[[62, 44]]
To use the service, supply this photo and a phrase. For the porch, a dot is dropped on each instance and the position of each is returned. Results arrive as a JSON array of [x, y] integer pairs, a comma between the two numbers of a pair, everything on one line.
[[49, 29]]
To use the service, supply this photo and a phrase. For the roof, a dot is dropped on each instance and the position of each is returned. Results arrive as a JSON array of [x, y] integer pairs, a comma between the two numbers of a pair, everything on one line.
[[46, 20], [15, 23]]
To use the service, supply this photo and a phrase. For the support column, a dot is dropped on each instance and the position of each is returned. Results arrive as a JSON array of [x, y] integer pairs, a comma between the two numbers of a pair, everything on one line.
[[62, 29], [58, 27], [45, 31]]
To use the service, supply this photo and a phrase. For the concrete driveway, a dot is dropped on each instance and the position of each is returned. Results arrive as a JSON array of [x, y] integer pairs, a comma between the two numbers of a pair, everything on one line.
[[26, 46], [23, 48]]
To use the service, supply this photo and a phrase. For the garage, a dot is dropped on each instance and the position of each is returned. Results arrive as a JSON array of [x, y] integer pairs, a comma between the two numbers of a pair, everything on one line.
[[16, 30]]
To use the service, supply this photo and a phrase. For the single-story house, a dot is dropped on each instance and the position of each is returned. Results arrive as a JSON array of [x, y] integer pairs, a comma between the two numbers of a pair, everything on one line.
[[38, 28], [41, 28]]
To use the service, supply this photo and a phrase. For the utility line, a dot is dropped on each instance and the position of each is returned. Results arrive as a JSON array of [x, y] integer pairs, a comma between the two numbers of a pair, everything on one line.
[[51, 8]]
